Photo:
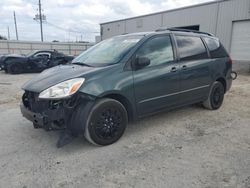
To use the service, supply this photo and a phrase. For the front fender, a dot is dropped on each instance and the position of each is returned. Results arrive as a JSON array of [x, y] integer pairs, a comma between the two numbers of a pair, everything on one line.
[[109, 81], [113, 81]]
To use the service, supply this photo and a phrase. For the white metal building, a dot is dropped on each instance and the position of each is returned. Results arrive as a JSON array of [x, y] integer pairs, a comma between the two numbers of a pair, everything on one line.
[[227, 19]]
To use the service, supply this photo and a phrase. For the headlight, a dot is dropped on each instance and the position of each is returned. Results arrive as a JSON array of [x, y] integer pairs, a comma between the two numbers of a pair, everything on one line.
[[63, 89]]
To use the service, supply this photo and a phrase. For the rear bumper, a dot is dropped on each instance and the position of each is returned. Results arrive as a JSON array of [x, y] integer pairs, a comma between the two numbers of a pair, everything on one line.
[[229, 80], [229, 84]]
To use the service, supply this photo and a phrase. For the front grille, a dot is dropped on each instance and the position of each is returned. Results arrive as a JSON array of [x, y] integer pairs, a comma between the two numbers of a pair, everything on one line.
[[32, 102]]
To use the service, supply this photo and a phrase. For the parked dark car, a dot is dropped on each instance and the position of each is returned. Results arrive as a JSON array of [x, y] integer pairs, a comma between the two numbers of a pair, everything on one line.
[[125, 78], [33, 62]]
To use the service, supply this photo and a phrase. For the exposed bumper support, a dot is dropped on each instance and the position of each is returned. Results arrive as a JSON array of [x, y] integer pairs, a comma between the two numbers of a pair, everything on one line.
[[59, 114], [45, 119]]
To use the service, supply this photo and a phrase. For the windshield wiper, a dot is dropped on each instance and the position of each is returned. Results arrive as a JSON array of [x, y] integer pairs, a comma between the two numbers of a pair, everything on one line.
[[82, 64]]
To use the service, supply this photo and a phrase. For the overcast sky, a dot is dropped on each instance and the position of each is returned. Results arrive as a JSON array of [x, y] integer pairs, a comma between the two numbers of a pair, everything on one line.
[[82, 16]]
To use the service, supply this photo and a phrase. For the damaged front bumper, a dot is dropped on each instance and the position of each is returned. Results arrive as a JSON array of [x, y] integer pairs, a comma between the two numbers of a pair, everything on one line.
[[52, 114], [49, 119]]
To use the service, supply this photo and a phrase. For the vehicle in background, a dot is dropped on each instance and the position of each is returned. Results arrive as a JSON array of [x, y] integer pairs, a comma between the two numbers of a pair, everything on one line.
[[125, 78], [33, 62]]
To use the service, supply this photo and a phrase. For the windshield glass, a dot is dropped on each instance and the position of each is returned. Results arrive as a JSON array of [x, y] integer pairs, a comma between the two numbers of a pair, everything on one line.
[[108, 52]]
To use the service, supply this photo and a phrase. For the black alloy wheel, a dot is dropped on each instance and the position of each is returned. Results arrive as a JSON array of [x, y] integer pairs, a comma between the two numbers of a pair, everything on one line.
[[106, 123], [216, 96]]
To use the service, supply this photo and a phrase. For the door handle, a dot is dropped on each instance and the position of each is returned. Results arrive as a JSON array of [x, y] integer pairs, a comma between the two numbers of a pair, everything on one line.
[[173, 69], [184, 67]]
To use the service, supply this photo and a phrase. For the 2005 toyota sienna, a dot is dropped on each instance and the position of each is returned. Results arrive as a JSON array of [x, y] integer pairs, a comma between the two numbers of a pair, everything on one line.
[[125, 78]]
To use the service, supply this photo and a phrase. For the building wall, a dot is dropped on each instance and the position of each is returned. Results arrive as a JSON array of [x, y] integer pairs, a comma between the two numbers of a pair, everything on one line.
[[215, 17], [230, 11], [24, 47]]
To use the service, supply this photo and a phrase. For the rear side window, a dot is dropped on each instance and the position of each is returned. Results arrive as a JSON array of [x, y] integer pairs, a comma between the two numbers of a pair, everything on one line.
[[215, 48], [191, 48]]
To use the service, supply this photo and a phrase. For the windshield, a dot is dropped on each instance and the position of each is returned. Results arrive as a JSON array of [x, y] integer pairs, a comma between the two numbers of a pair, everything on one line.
[[108, 52]]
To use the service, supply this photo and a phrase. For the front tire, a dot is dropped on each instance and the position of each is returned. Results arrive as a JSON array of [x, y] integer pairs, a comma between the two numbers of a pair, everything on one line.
[[6, 70], [106, 122], [14, 69], [216, 96]]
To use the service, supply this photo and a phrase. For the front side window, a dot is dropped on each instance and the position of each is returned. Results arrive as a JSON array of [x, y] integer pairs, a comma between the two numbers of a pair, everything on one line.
[[158, 49], [215, 48], [43, 55], [191, 48]]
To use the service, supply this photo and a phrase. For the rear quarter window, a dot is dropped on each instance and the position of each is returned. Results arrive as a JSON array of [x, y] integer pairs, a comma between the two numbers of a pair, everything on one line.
[[216, 49], [191, 48]]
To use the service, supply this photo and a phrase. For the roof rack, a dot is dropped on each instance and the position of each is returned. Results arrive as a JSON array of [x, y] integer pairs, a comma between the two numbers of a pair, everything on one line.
[[183, 30]]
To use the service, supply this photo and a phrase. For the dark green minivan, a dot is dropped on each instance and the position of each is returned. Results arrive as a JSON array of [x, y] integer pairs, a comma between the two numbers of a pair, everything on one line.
[[125, 78]]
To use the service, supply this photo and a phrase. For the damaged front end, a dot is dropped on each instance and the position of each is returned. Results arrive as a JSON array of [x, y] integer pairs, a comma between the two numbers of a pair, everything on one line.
[[61, 114], [47, 114], [54, 99]]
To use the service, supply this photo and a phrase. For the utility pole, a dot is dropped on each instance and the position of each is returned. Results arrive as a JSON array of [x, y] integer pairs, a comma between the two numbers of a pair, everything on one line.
[[40, 18], [8, 32], [15, 25]]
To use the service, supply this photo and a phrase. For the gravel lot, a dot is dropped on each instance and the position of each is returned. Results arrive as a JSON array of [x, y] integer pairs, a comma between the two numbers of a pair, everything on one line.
[[183, 148]]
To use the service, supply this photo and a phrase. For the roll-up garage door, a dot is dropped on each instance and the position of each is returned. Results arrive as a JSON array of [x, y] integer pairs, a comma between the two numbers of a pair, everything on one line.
[[240, 45]]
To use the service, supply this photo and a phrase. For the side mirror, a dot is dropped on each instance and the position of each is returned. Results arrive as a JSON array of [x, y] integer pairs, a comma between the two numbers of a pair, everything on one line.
[[141, 62]]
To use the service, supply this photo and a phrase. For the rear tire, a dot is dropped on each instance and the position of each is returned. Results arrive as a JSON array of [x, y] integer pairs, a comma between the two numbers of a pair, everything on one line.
[[106, 122], [216, 96]]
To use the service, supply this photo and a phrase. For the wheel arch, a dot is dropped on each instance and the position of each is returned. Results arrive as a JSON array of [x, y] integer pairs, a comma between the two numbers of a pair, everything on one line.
[[223, 81], [20, 66], [124, 101]]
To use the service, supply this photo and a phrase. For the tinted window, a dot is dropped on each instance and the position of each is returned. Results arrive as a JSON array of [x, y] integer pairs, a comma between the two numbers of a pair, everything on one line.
[[191, 48], [215, 48], [158, 50]]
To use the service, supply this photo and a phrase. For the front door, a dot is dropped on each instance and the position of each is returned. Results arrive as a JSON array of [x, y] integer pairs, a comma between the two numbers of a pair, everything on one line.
[[157, 84]]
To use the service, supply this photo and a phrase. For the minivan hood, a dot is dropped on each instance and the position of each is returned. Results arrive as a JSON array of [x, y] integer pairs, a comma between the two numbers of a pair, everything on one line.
[[55, 75]]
